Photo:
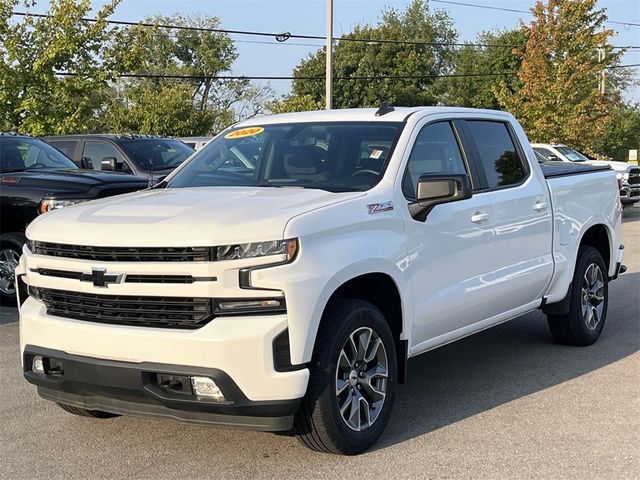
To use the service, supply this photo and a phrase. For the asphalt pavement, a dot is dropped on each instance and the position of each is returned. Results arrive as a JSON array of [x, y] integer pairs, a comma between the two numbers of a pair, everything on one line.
[[505, 403]]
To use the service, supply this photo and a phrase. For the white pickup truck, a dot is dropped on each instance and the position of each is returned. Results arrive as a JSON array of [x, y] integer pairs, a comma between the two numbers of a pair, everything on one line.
[[628, 174], [281, 278]]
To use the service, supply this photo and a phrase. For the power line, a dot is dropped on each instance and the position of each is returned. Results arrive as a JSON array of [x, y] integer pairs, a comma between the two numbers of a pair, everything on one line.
[[281, 37], [514, 10], [309, 77], [289, 77]]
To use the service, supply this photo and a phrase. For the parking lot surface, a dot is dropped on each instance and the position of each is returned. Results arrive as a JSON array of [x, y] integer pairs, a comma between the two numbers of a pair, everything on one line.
[[505, 403]]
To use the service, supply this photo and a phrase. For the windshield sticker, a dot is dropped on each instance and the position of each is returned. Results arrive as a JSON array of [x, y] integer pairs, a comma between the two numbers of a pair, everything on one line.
[[244, 132], [375, 154], [379, 207]]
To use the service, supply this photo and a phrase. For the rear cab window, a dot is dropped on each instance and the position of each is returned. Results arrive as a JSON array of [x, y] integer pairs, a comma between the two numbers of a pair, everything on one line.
[[497, 152]]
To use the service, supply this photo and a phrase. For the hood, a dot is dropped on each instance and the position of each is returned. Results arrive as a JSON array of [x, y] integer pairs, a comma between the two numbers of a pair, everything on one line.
[[617, 166], [70, 181], [182, 217]]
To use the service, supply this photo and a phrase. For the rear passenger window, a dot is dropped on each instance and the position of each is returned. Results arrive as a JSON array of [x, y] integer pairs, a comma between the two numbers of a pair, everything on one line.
[[436, 151], [500, 160]]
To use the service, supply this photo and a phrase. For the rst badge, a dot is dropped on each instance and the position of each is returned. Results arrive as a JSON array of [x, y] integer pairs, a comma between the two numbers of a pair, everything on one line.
[[380, 207]]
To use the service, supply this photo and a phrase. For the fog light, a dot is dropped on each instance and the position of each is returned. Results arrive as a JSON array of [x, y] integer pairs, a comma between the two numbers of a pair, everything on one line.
[[37, 365], [206, 388]]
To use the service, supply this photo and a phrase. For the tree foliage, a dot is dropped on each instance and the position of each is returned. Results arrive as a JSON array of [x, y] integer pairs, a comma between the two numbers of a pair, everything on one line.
[[622, 132], [559, 100], [482, 64], [363, 59], [32, 96], [92, 97]]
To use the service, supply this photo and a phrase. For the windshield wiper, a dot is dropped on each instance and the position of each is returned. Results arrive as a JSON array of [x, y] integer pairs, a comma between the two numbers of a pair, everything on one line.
[[13, 170]]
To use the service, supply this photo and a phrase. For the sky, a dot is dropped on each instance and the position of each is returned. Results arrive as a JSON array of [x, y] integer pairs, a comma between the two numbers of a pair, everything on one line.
[[308, 17]]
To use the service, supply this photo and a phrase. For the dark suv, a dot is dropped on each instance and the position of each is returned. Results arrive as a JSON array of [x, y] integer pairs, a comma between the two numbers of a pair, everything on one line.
[[36, 178], [141, 155]]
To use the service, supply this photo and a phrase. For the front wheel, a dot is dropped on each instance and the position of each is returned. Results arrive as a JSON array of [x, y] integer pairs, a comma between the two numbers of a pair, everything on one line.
[[10, 251], [352, 382], [588, 303]]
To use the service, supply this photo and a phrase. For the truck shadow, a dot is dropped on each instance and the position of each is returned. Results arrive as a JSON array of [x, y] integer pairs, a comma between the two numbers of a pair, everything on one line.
[[505, 363]]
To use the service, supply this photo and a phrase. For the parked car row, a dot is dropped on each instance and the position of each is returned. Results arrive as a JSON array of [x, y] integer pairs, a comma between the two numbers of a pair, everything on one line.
[[141, 155], [281, 278], [35, 178], [627, 174]]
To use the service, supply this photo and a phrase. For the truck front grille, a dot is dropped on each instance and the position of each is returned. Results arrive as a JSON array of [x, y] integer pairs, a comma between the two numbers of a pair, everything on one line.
[[122, 254], [142, 311], [634, 176]]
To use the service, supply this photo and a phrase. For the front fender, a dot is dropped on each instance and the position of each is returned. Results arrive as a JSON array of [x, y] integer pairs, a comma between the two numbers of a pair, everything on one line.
[[323, 264]]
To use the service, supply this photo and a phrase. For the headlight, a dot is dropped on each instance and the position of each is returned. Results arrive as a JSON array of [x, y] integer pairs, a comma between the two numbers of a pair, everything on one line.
[[258, 249], [48, 204]]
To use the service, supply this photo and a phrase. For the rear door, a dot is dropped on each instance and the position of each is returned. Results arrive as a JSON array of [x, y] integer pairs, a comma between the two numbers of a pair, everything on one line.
[[521, 215]]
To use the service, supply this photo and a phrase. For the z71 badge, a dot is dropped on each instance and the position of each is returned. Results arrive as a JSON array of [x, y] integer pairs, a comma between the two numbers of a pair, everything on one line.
[[380, 207]]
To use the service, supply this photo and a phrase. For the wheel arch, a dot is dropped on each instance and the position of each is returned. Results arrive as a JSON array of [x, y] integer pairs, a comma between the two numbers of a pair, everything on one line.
[[381, 290], [599, 236]]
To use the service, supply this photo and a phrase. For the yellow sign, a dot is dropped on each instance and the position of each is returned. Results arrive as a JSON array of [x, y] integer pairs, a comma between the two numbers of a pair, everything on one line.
[[244, 132]]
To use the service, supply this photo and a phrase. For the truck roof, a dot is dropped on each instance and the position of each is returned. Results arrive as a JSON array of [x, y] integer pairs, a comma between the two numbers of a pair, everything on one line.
[[399, 114]]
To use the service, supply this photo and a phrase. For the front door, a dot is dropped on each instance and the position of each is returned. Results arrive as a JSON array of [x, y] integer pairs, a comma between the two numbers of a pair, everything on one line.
[[450, 254]]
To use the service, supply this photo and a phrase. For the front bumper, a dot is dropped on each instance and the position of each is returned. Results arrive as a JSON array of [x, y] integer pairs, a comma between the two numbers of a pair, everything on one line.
[[630, 194], [140, 389], [242, 347]]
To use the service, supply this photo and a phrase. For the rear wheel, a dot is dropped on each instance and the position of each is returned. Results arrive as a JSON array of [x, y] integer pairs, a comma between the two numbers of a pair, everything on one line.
[[83, 412], [352, 383], [588, 303]]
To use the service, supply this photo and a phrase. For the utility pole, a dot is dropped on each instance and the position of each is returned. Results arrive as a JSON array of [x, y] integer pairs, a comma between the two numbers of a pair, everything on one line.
[[602, 86], [329, 56]]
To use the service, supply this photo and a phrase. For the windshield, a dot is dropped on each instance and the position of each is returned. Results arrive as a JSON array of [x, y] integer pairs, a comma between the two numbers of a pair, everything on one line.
[[156, 153], [540, 157], [24, 153], [336, 156], [572, 155]]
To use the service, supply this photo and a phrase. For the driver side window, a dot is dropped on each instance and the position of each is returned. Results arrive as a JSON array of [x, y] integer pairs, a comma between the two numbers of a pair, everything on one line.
[[436, 150]]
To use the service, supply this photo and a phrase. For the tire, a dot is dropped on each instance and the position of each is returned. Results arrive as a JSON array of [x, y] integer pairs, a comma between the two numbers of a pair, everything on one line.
[[319, 423], [83, 412], [588, 303], [10, 251]]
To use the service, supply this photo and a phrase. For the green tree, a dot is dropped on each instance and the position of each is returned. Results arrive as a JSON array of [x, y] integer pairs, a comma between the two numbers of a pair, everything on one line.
[[622, 132], [355, 59], [559, 100], [197, 105], [481, 64], [33, 97]]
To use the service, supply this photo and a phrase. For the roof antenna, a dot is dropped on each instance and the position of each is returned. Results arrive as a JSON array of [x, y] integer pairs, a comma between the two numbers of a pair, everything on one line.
[[383, 109]]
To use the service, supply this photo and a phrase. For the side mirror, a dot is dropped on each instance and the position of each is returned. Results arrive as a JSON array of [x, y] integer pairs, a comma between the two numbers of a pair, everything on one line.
[[109, 164], [85, 162], [552, 158], [435, 189]]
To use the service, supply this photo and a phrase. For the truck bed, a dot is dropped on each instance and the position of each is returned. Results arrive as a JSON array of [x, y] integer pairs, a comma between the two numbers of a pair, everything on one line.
[[561, 169]]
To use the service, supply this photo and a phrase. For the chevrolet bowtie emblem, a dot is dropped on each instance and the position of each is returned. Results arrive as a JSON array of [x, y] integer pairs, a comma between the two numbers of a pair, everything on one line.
[[101, 278]]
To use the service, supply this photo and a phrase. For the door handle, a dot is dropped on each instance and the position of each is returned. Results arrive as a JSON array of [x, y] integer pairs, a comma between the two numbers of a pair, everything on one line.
[[479, 217], [540, 206]]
